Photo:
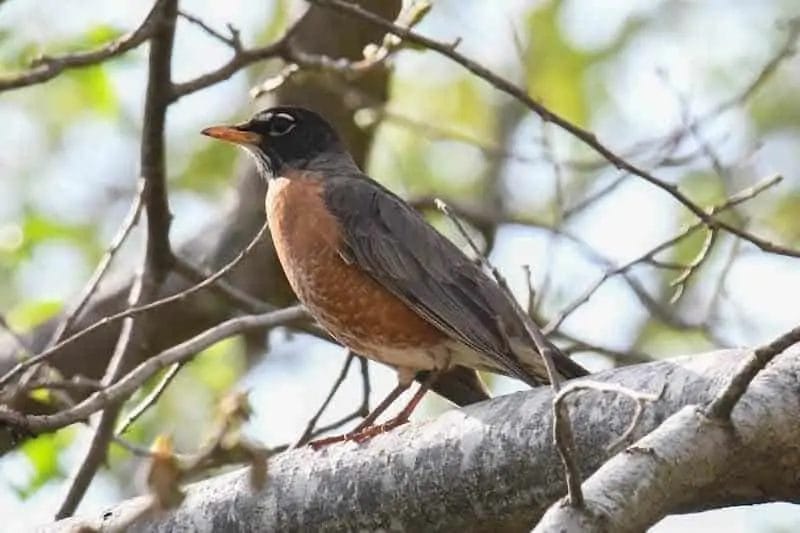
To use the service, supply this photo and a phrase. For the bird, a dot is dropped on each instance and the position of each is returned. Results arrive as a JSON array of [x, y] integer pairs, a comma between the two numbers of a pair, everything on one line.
[[375, 274]]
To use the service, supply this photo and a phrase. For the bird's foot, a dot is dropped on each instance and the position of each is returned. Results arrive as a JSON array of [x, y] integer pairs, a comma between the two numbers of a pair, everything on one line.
[[318, 444], [360, 436]]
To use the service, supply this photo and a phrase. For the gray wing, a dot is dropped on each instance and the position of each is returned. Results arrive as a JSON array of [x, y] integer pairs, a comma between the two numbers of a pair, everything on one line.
[[393, 243]]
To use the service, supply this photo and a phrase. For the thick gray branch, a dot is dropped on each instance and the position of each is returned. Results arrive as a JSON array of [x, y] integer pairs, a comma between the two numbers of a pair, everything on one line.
[[693, 456], [493, 466]]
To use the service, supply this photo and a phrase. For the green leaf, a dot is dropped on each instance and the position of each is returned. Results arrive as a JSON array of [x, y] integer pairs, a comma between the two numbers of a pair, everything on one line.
[[37, 229], [785, 218], [555, 69], [209, 168], [776, 105], [460, 107], [30, 314], [277, 22], [219, 366], [100, 35], [704, 188], [93, 87], [42, 453], [661, 340]]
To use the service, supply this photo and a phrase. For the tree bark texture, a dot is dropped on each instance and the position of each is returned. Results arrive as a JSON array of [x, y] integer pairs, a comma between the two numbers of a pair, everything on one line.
[[493, 466]]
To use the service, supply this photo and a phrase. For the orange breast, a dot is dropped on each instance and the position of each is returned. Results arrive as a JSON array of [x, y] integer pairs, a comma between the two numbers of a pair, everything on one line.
[[355, 309]]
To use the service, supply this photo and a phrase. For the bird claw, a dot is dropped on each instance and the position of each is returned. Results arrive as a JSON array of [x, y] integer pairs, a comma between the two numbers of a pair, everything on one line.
[[361, 436]]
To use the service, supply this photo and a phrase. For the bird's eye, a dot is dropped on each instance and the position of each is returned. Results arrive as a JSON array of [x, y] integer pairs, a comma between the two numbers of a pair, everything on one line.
[[281, 124]]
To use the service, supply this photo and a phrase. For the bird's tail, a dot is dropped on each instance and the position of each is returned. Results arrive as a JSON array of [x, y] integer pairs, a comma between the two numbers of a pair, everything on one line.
[[461, 385], [535, 367], [567, 367]]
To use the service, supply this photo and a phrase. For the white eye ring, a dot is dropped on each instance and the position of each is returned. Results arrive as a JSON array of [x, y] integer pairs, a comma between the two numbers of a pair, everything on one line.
[[283, 125]]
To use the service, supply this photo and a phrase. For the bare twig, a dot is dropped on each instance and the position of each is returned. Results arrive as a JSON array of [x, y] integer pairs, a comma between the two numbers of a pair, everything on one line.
[[233, 294], [722, 405], [544, 348], [736, 199], [437, 131], [134, 379], [374, 55], [22, 345], [46, 68], [587, 137], [149, 401], [562, 429], [561, 419], [565, 444], [787, 50], [95, 455], [232, 40], [719, 284], [77, 383], [102, 267], [133, 311], [680, 282], [306, 436], [242, 57], [592, 199], [619, 356], [158, 257], [311, 431], [485, 221]]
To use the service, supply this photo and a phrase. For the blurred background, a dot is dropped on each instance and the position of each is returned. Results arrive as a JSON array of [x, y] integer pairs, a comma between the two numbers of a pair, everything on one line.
[[664, 82]]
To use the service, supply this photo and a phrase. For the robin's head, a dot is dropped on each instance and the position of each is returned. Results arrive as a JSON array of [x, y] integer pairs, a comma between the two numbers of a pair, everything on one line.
[[282, 138]]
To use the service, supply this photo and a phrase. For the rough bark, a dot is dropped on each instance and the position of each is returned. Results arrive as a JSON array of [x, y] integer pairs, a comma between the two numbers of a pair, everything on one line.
[[493, 466]]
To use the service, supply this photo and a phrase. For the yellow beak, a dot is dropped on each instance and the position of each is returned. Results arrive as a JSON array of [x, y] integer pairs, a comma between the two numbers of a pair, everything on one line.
[[232, 134]]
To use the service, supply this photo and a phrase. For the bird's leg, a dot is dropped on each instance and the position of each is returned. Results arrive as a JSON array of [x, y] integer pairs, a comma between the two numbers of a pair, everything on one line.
[[402, 417], [368, 421]]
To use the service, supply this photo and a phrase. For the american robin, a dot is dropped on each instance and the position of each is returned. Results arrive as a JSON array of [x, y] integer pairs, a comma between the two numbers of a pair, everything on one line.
[[373, 272]]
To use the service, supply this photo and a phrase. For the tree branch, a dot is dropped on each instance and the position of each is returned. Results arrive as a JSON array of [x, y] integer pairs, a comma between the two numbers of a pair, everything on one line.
[[122, 388], [585, 136], [215, 244], [46, 68], [158, 258], [493, 466]]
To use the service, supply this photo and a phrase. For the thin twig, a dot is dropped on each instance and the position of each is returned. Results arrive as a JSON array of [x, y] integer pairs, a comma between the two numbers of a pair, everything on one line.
[[722, 405], [77, 383], [562, 428], [565, 444], [134, 379], [587, 137], [46, 68], [232, 40], [542, 346], [680, 282], [311, 431], [230, 292], [374, 55], [95, 455], [124, 230], [619, 356], [133, 311], [736, 199], [149, 401], [22, 345], [312, 423], [158, 257], [608, 388]]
